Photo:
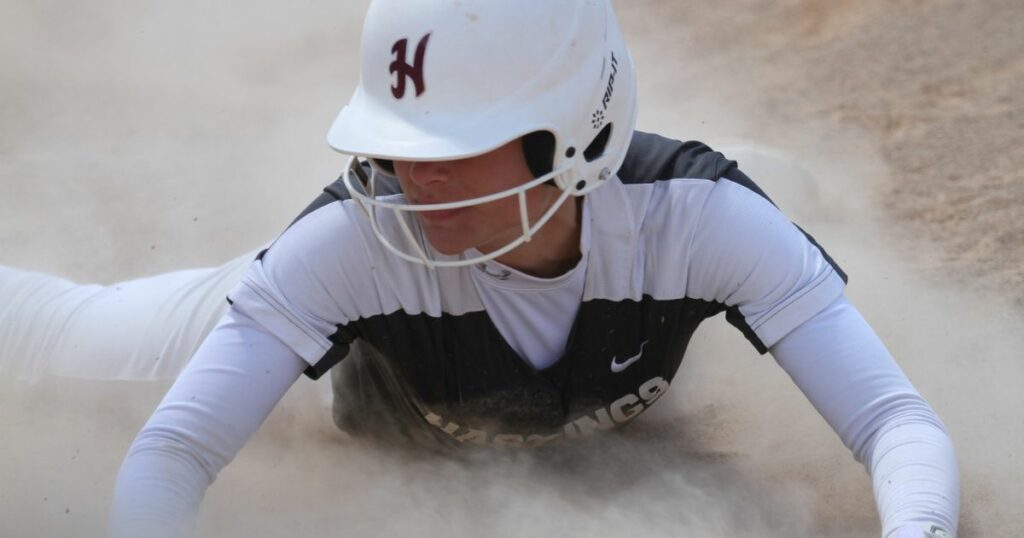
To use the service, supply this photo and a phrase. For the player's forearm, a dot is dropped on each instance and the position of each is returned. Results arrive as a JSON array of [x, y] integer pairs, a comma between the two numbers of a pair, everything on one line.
[[847, 373], [915, 476], [158, 492], [221, 398]]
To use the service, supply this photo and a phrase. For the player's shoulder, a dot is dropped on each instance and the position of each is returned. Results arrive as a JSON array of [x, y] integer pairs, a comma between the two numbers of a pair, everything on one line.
[[328, 245], [332, 222], [336, 193], [328, 265], [319, 230], [655, 159]]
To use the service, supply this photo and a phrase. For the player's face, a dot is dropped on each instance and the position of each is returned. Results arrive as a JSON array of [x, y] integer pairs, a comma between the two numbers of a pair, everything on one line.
[[487, 227]]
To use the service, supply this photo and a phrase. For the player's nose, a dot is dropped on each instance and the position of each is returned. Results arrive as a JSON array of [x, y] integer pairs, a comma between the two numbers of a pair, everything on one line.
[[426, 174]]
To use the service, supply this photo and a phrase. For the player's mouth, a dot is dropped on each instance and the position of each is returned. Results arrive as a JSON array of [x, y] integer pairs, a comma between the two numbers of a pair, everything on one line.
[[439, 216]]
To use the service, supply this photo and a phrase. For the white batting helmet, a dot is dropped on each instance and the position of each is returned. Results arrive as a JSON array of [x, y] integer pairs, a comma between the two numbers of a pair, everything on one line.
[[455, 79]]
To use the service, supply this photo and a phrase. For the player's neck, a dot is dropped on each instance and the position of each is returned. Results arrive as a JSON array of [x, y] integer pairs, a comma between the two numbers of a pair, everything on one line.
[[555, 248]]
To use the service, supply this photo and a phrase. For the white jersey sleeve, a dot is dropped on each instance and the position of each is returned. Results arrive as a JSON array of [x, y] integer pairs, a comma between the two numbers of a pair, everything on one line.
[[326, 271], [309, 283], [748, 256], [849, 376], [226, 391]]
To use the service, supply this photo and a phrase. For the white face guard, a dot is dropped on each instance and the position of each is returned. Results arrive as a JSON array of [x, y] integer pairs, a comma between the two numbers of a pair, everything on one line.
[[363, 190]]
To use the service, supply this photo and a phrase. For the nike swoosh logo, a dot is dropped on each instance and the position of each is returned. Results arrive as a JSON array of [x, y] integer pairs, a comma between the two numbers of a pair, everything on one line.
[[620, 366]]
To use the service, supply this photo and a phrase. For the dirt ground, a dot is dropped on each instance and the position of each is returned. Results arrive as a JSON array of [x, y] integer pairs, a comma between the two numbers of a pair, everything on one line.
[[934, 85], [144, 137]]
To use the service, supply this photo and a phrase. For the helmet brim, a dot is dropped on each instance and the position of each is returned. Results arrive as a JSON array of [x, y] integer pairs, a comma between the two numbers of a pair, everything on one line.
[[365, 128]]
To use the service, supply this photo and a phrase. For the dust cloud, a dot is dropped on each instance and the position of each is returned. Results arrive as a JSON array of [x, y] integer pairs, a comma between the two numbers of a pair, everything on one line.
[[145, 137]]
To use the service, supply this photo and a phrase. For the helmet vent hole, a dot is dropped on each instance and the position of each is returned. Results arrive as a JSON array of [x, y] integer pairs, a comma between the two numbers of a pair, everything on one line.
[[596, 148]]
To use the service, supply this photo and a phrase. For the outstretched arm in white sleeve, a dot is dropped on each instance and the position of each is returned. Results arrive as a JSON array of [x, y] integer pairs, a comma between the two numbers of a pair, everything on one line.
[[846, 372], [217, 403]]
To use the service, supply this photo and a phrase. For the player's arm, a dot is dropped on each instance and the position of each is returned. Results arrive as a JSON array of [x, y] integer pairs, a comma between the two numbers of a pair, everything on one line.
[[849, 376], [285, 318], [217, 403], [787, 297]]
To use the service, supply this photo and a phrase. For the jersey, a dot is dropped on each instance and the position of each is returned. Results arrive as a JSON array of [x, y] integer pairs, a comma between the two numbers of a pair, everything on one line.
[[679, 236]]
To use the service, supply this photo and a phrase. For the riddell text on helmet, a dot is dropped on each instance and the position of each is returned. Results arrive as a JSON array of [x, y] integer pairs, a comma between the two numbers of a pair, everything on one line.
[[597, 118], [611, 83]]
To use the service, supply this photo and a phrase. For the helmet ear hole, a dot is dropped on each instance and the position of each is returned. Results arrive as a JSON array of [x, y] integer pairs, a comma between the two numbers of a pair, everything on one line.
[[596, 148], [539, 150]]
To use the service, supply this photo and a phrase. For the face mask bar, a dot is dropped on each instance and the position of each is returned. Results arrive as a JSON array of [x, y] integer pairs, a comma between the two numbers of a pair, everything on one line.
[[363, 189]]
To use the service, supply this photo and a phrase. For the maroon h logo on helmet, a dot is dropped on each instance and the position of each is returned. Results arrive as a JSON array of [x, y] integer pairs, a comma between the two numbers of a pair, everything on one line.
[[402, 69]]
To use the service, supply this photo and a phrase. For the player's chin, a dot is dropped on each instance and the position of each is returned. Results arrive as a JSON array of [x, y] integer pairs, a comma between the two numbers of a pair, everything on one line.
[[447, 242], [448, 250]]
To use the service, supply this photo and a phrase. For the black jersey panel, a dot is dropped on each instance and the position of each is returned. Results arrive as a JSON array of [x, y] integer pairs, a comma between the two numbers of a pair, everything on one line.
[[617, 346], [406, 368], [455, 378], [653, 158], [736, 319], [342, 339]]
